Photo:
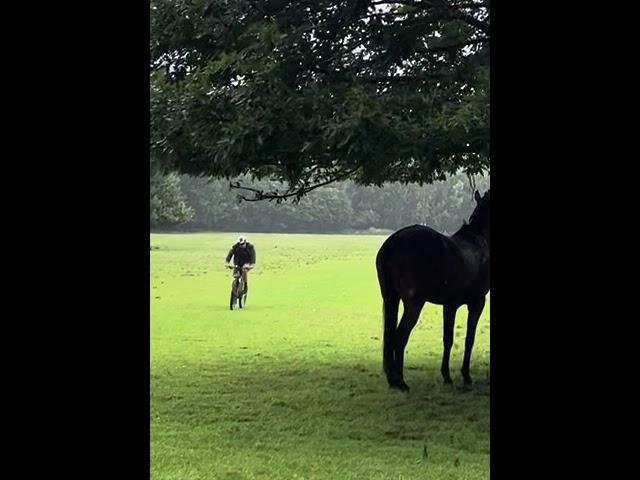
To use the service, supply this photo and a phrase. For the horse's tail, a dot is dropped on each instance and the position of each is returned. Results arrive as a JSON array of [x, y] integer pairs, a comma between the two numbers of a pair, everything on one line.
[[390, 304]]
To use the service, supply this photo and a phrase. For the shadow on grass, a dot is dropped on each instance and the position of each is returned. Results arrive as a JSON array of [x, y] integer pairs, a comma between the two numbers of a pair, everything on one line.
[[314, 402]]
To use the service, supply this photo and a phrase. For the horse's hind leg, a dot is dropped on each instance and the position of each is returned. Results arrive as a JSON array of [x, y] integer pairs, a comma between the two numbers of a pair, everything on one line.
[[449, 320], [475, 309], [390, 314], [410, 317]]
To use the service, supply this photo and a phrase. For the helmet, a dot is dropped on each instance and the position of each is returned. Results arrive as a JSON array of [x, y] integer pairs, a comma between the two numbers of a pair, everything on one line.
[[242, 240]]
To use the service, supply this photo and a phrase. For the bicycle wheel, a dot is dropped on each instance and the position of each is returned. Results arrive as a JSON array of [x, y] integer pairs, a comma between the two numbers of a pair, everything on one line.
[[234, 297], [239, 289]]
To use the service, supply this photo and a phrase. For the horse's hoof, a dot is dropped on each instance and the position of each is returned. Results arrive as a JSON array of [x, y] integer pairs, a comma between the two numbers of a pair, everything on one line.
[[400, 385], [403, 387], [448, 381]]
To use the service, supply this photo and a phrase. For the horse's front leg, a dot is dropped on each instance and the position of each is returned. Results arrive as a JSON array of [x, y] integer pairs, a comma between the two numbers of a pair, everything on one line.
[[475, 309], [449, 321]]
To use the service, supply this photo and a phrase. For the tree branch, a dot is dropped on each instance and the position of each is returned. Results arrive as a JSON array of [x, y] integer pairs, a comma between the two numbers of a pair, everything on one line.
[[409, 3], [298, 193], [446, 48], [474, 22], [423, 4], [400, 78], [453, 8], [472, 5]]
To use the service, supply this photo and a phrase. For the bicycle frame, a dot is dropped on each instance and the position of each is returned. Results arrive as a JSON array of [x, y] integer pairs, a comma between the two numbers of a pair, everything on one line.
[[238, 289]]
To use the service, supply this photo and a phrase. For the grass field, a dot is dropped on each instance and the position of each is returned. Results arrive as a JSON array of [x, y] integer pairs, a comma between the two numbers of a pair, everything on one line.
[[291, 387]]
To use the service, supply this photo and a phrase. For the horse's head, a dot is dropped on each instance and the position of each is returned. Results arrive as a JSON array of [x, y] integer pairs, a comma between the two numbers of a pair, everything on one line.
[[480, 219]]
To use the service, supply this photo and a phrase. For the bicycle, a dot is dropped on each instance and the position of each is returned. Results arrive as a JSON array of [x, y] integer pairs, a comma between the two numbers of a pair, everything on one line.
[[238, 287]]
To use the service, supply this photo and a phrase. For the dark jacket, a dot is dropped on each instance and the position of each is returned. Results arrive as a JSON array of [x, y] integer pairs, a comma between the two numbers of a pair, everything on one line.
[[242, 254]]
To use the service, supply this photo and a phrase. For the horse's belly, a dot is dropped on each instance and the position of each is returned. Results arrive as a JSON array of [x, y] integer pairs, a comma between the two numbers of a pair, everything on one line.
[[445, 291]]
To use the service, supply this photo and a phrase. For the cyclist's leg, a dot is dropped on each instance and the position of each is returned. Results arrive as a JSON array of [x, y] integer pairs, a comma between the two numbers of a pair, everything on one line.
[[244, 278], [240, 276]]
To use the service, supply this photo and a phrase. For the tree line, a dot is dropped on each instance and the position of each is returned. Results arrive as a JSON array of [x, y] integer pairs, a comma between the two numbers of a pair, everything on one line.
[[186, 203]]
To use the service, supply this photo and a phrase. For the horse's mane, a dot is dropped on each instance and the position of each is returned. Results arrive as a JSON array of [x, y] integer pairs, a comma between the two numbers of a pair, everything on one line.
[[469, 231]]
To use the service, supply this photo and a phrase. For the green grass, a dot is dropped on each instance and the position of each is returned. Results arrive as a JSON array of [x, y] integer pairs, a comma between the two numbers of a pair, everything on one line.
[[291, 387]]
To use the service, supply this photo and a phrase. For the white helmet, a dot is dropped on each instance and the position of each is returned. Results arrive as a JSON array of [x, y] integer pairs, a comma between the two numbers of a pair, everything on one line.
[[242, 240]]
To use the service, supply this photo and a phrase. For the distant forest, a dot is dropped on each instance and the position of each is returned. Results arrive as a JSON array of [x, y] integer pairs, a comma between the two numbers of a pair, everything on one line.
[[184, 203]]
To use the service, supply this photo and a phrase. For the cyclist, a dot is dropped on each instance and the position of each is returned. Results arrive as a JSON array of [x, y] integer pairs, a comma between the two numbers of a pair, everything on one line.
[[244, 258]]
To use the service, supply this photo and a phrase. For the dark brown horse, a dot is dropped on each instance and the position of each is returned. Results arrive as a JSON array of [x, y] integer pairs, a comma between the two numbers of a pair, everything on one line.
[[419, 265]]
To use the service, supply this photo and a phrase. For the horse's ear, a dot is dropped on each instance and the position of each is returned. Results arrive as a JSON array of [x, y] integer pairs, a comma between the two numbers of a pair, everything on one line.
[[478, 197]]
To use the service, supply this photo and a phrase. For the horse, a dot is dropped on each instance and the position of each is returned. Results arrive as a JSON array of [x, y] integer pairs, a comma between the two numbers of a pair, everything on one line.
[[417, 265]]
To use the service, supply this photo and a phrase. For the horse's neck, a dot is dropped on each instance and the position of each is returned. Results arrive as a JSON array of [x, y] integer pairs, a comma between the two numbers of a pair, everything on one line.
[[468, 236]]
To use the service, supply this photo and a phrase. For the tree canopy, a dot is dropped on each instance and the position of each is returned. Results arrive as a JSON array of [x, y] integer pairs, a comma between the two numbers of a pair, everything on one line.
[[308, 92]]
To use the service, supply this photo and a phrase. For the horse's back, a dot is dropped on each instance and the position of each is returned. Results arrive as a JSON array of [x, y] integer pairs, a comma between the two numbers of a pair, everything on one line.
[[418, 261], [415, 240]]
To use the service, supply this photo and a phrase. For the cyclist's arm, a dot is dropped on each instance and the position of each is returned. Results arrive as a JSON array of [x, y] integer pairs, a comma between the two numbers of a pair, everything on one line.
[[252, 251], [229, 255]]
